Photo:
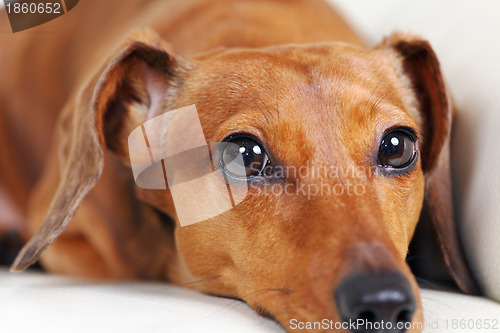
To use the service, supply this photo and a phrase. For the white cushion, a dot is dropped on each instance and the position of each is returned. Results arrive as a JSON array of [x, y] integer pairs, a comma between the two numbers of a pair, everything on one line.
[[458, 313], [37, 302], [464, 35]]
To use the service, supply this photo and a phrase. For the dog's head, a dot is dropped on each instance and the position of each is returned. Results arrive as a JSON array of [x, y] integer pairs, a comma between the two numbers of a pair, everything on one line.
[[340, 148]]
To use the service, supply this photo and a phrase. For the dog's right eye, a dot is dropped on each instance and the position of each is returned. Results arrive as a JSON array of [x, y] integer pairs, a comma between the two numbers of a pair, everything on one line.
[[253, 159], [397, 149]]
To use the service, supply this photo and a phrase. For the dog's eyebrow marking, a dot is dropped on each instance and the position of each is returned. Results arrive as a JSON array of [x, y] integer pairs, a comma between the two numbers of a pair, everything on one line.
[[377, 103], [277, 107], [373, 92], [263, 113], [265, 106], [289, 309]]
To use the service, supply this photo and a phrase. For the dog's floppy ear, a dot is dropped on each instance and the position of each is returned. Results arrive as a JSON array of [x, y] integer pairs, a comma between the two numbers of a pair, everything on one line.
[[419, 64], [135, 84]]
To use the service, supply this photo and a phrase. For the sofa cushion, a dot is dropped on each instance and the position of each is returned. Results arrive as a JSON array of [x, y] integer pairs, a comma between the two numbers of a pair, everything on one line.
[[38, 302]]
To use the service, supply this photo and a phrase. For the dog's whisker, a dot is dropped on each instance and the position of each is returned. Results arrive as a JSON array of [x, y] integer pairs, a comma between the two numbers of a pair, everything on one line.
[[433, 285], [282, 290], [199, 281], [438, 302], [232, 305], [266, 290], [188, 283], [288, 310]]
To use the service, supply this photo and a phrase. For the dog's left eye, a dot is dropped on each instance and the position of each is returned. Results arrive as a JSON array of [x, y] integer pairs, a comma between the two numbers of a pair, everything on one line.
[[253, 157]]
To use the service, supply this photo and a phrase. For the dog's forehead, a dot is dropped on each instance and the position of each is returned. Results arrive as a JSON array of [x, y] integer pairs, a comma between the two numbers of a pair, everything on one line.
[[287, 64], [326, 76]]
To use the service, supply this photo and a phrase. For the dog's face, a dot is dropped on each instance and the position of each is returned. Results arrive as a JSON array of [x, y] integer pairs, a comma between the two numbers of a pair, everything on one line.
[[330, 195], [338, 144]]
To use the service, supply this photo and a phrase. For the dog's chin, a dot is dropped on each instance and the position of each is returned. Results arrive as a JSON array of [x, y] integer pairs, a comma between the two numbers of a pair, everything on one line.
[[302, 317], [312, 306], [309, 317], [311, 293]]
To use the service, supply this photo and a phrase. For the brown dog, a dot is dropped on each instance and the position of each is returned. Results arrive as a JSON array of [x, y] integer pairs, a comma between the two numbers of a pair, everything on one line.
[[322, 99]]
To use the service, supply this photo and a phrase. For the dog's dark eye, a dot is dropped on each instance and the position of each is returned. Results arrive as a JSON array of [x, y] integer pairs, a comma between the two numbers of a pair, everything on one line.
[[397, 149], [253, 157]]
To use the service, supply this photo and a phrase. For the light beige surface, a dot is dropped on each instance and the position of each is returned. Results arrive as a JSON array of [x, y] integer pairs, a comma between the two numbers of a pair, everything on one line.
[[34, 302]]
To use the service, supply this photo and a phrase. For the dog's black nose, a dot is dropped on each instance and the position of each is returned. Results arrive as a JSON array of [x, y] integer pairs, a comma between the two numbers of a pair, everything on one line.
[[376, 302]]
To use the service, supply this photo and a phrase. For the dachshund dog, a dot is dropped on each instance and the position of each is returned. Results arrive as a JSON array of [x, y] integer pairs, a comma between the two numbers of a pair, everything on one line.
[[292, 87]]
